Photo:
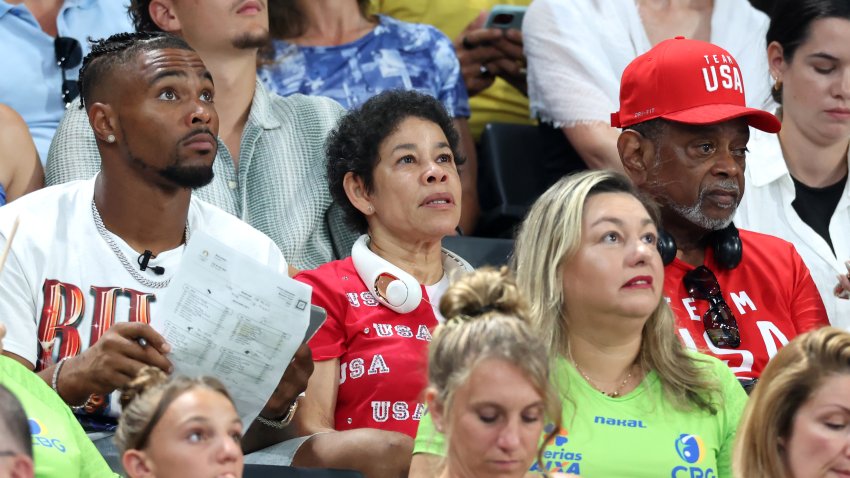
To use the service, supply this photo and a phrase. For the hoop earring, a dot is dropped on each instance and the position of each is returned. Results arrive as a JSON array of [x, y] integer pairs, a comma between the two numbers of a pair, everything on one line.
[[777, 86]]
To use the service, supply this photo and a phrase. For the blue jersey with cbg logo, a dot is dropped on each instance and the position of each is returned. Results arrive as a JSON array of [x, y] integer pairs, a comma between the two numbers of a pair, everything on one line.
[[637, 435]]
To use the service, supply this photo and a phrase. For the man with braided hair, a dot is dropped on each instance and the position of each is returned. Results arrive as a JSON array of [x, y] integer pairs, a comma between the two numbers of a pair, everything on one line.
[[271, 164], [75, 293]]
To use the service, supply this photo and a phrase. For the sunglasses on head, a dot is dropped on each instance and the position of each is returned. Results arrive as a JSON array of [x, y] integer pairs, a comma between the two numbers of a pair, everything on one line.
[[719, 323], [69, 54]]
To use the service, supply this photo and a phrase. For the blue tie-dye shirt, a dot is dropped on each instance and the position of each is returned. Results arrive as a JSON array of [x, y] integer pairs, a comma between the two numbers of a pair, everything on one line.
[[395, 55]]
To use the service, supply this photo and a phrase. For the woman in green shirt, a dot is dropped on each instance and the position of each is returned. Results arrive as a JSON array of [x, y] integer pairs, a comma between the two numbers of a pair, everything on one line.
[[636, 403], [60, 446]]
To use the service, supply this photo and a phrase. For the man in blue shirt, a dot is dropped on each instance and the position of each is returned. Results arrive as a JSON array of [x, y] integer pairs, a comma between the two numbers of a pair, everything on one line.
[[31, 35]]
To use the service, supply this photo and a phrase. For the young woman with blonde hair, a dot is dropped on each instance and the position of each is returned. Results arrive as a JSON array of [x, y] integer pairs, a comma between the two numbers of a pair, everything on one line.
[[171, 425], [797, 422], [489, 374]]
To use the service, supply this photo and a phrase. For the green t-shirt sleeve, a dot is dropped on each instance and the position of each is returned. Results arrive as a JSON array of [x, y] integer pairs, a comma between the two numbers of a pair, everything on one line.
[[61, 446], [428, 439], [735, 398], [92, 462]]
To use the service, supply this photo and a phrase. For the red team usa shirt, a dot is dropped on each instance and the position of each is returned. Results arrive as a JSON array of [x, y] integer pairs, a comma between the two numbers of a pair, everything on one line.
[[771, 294], [383, 355]]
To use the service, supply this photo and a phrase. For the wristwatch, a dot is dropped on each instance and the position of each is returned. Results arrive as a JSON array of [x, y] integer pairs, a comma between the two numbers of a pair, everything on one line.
[[283, 423]]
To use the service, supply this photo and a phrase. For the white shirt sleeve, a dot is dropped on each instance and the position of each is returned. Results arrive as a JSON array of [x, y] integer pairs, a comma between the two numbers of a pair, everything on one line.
[[576, 51], [740, 28], [17, 304]]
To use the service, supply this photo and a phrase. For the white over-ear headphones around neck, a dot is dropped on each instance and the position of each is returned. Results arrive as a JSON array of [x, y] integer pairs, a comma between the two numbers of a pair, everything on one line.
[[403, 293]]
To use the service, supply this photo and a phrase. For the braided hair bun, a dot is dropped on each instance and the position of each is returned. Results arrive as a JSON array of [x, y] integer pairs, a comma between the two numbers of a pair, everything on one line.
[[147, 378], [487, 291]]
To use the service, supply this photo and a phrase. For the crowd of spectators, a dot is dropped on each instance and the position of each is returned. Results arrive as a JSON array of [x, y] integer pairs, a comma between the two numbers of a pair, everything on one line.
[[683, 300]]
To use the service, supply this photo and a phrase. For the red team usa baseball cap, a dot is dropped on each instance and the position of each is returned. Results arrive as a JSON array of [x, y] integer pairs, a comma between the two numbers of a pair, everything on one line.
[[688, 81]]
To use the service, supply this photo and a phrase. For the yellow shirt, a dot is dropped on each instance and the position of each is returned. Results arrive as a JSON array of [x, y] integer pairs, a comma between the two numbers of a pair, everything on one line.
[[501, 103]]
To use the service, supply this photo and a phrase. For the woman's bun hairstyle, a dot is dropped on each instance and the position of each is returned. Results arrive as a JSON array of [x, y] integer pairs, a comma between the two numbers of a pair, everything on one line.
[[487, 319], [487, 291], [147, 378], [146, 398]]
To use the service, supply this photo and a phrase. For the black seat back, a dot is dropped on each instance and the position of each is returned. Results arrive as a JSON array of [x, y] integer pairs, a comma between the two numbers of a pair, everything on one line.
[[510, 177], [480, 251], [272, 471]]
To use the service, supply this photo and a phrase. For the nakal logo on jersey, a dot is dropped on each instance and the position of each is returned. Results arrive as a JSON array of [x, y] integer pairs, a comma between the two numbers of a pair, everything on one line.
[[555, 458], [691, 450]]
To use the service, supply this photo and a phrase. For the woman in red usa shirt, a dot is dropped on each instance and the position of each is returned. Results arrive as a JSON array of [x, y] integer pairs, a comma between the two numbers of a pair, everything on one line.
[[393, 167]]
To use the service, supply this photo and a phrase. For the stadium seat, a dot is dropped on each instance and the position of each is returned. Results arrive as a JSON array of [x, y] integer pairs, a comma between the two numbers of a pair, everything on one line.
[[516, 164], [270, 471], [480, 251]]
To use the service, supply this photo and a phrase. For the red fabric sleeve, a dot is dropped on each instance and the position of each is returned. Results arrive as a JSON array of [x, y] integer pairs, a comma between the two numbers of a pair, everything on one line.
[[329, 341], [807, 309]]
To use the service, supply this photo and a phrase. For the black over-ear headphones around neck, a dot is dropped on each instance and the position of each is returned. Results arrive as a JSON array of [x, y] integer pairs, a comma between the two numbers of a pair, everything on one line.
[[726, 242]]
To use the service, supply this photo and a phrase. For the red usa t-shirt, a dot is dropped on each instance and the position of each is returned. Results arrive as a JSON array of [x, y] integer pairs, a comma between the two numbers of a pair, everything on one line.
[[383, 355], [771, 294]]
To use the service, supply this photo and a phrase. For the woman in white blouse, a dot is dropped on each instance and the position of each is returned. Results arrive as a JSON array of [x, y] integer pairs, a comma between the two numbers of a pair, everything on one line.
[[797, 180], [577, 51]]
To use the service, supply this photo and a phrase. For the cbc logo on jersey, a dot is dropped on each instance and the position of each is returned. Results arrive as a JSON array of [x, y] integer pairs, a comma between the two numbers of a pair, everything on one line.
[[691, 450]]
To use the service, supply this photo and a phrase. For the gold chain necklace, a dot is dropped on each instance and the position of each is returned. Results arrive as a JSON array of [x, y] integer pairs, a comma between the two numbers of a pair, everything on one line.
[[616, 392]]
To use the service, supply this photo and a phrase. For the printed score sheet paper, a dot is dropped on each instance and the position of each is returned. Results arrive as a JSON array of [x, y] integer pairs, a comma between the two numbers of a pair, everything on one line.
[[228, 316]]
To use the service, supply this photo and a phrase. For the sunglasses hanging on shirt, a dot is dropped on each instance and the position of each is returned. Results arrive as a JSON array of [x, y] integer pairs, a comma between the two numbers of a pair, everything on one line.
[[69, 55], [719, 322]]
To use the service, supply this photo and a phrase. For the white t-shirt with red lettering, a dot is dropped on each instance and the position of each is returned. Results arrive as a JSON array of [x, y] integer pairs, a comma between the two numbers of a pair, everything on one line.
[[770, 293], [383, 355], [63, 287]]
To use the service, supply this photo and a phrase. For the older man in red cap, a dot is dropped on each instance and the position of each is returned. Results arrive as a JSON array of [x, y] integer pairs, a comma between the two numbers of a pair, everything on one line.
[[737, 295]]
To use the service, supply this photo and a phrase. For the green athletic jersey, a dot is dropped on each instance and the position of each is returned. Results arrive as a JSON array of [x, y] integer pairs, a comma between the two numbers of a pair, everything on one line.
[[637, 435], [60, 446]]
